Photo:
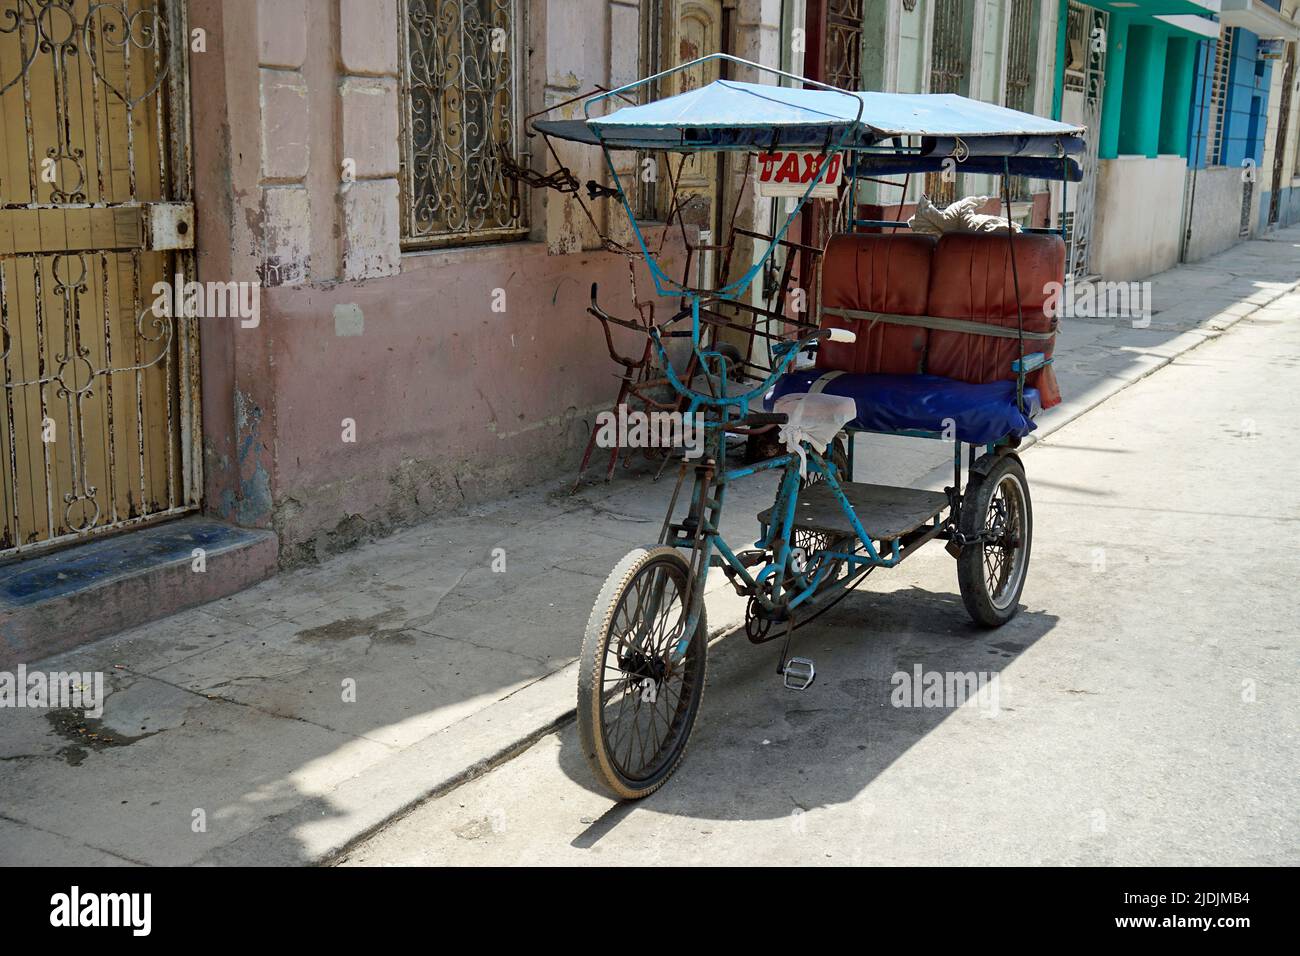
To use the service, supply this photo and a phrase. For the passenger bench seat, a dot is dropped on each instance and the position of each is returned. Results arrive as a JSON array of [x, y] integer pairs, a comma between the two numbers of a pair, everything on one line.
[[972, 279], [876, 273]]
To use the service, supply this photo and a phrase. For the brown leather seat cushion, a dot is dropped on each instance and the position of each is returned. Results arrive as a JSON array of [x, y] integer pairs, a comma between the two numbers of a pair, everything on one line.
[[876, 273], [972, 279]]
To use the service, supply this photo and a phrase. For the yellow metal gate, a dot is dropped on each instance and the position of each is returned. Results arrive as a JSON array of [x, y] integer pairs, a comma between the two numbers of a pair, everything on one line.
[[99, 412]]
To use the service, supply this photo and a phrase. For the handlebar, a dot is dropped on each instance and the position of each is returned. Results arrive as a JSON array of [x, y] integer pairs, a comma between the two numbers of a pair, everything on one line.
[[604, 316]]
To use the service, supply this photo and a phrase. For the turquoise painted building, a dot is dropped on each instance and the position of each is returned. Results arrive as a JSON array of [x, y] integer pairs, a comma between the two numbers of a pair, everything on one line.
[[1126, 69], [1149, 85], [1151, 48], [1180, 111]]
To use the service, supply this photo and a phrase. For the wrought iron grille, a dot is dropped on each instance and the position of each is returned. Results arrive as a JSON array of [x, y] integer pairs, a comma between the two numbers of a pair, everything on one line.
[[1020, 73], [1247, 199], [462, 88], [1065, 222], [948, 58], [1076, 52], [947, 75], [844, 44], [98, 410], [1087, 35], [1217, 146]]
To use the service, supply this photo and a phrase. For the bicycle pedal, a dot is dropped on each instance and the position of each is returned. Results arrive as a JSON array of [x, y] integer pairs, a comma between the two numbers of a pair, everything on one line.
[[799, 673]]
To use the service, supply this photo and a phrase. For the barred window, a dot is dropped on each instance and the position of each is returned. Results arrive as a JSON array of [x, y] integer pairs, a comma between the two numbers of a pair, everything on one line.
[[949, 62], [1022, 51], [844, 44], [462, 89], [1022, 54]]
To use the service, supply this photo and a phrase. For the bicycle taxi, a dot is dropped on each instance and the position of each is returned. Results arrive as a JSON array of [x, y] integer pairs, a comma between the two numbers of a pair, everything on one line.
[[945, 338]]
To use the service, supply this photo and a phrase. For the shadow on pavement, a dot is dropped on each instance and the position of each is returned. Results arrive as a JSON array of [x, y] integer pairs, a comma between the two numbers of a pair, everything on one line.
[[760, 751]]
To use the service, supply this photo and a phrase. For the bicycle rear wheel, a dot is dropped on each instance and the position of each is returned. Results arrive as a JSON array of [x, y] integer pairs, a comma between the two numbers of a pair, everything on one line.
[[991, 573]]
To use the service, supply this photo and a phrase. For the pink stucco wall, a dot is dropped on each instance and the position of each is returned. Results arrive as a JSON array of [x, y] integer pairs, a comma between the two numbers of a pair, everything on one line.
[[453, 402]]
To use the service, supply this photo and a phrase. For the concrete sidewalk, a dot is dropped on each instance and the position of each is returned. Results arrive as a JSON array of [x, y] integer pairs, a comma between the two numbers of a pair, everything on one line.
[[283, 723]]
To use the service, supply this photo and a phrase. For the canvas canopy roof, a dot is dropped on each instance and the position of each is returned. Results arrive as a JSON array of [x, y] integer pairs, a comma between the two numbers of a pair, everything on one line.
[[728, 114]]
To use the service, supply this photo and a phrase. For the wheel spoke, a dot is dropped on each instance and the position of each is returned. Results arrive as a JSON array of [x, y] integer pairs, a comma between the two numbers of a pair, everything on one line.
[[1003, 546], [643, 728]]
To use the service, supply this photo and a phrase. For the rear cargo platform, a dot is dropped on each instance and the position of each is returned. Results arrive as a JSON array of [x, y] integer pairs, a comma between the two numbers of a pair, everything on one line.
[[885, 512]]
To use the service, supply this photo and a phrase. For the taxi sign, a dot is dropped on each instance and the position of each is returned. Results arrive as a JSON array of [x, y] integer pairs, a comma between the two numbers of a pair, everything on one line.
[[788, 174]]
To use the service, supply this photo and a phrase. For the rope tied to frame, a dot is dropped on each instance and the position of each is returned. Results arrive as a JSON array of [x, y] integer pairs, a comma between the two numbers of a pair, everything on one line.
[[1015, 277]]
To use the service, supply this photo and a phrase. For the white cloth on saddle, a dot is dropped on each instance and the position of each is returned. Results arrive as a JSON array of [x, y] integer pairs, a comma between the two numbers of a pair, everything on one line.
[[815, 418]]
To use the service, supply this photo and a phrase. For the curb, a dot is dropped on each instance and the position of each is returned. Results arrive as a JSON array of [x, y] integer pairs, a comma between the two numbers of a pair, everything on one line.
[[1202, 336]]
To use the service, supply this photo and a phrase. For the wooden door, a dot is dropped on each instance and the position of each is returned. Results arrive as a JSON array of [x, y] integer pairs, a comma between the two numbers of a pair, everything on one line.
[[98, 414], [692, 29]]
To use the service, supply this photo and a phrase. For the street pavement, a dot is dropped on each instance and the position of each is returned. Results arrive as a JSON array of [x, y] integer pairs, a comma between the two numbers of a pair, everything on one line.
[[1146, 708], [422, 674]]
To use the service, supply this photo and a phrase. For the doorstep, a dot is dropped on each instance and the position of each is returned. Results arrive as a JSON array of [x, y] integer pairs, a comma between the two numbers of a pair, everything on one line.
[[69, 597]]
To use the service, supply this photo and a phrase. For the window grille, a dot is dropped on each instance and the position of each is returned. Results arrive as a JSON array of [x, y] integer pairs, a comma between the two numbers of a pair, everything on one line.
[[1019, 94], [462, 88], [844, 44], [947, 75]]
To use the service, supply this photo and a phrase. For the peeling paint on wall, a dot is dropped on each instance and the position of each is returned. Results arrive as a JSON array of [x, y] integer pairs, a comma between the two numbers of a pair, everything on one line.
[[371, 231], [286, 236], [253, 504]]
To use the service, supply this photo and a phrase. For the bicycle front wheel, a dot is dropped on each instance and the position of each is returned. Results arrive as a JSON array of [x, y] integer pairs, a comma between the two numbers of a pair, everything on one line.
[[637, 697]]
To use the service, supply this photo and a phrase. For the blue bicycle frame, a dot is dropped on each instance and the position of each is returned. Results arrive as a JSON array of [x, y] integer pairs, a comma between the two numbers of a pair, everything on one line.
[[778, 587]]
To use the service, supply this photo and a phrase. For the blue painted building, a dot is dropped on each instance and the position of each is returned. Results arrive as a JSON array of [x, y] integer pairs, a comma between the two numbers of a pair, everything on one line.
[[1229, 102]]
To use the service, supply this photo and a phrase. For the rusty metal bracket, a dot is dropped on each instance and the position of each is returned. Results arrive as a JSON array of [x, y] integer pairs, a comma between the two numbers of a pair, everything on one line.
[[168, 226]]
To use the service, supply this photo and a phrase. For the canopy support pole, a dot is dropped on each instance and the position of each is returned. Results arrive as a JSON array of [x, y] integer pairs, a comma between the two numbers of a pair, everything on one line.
[[1015, 279]]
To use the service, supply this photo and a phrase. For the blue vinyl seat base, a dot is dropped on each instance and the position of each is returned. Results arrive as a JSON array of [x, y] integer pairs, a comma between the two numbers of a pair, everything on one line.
[[980, 414]]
